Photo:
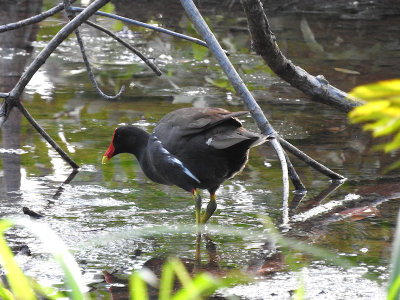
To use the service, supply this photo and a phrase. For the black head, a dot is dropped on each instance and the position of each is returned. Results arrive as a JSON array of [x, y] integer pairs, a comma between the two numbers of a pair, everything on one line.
[[126, 139]]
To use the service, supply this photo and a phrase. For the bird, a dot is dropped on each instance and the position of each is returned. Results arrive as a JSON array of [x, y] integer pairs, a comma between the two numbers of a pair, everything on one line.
[[192, 148]]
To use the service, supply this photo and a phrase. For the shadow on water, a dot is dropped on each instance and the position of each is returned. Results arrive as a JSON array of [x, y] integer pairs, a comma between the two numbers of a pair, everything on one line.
[[98, 210]]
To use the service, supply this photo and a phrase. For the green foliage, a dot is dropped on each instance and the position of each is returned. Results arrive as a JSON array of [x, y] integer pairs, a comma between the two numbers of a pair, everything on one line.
[[299, 294], [381, 112], [19, 284], [24, 288], [200, 286]]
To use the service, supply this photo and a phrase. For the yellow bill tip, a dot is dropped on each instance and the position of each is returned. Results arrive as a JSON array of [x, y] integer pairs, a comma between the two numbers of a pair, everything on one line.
[[105, 159]]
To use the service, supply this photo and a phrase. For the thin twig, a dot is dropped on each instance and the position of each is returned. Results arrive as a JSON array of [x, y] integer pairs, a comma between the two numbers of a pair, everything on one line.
[[33, 19], [148, 26], [241, 89], [91, 75], [148, 61], [294, 177]]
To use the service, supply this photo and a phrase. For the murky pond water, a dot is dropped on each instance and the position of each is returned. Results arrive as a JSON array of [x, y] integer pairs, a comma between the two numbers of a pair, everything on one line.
[[115, 220]]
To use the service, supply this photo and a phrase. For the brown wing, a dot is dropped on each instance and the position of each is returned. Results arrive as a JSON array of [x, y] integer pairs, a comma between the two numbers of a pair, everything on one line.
[[176, 125]]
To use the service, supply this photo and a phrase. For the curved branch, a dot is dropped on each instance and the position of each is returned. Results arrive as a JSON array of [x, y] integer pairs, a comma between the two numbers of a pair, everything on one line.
[[264, 43], [147, 61], [91, 75], [148, 26], [71, 15], [51, 46]]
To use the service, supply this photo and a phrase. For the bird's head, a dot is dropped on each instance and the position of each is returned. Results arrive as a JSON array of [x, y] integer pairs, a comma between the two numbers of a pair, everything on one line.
[[126, 139]]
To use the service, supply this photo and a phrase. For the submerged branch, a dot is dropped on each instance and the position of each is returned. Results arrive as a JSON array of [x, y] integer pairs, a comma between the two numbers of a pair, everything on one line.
[[148, 26], [264, 43]]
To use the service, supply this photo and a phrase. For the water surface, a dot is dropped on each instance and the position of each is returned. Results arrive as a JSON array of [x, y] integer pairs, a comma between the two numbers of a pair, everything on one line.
[[114, 219]]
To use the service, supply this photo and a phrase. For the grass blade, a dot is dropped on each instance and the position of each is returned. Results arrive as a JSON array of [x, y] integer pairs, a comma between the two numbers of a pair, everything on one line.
[[137, 287], [19, 284], [59, 250], [166, 281]]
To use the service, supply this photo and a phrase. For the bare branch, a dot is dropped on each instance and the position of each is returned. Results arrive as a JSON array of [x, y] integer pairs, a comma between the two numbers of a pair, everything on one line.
[[155, 28], [33, 19], [241, 89], [148, 61], [264, 43], [51, 46], [13, 97], [91, 75], [71, 15], [294, 177], [45, 135], [308, 160]]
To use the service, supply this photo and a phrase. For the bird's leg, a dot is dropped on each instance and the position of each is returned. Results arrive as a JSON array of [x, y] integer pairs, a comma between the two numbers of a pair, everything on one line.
[[197, 259], [211, 207], [197, 205]]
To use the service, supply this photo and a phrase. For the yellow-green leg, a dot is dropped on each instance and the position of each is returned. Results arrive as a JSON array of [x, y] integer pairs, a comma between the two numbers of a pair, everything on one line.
[[197, 205], [211, 207]]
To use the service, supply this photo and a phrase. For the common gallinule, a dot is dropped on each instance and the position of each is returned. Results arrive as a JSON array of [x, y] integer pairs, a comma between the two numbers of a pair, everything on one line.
[[192, 148]]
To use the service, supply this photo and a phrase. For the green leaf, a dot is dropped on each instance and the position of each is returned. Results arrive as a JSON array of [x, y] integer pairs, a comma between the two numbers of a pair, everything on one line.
[[47, 292], [383, 126], [4, 293], [382, 111], [19, 284], [379, 90], [137, 287], [369, 108], [166, 281], [300, 291], [59, 250], [202, 283], [394, 144]]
